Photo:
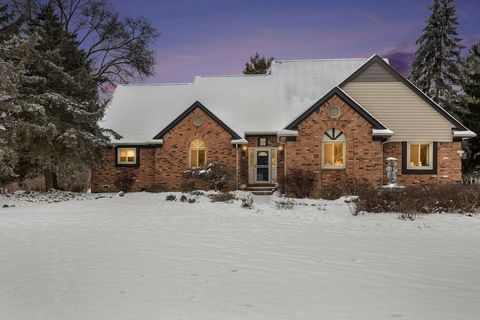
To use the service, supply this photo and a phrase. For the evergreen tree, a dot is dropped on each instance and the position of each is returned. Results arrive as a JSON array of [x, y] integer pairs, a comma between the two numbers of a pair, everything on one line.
[[8, 25], [55, 105], [258, 64], [471, 117], [437, 66], [18, 116], [69, 97]]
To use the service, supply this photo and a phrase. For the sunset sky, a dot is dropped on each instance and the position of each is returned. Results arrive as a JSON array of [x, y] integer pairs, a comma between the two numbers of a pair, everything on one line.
[[206, 37]]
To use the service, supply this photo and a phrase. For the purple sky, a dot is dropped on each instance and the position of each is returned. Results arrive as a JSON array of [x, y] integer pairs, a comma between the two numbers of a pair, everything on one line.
[[206, 37]]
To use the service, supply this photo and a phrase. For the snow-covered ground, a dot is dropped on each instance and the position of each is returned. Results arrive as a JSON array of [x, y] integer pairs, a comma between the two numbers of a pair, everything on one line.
[[142, 257]]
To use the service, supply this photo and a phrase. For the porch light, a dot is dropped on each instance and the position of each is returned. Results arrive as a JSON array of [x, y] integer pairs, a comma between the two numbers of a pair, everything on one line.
[[244, 148], [280, 148]]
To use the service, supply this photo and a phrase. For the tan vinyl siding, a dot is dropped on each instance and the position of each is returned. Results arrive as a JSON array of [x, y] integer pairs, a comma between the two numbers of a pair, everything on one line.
[[401, 110], [375, 73]]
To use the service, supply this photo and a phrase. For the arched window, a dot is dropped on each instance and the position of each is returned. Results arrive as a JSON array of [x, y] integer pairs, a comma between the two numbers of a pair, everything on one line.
[[197, 154], [333, 149]]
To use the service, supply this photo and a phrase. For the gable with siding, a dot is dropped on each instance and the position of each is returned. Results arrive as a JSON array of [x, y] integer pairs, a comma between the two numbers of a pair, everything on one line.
[[398, 107]]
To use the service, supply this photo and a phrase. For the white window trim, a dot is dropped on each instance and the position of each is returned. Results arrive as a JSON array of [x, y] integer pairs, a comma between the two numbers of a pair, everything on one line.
[[135, 161], [430, 157], [327, 166]]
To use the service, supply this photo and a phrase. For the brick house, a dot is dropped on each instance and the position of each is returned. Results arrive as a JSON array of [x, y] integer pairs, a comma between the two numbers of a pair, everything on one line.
[[338, 118]]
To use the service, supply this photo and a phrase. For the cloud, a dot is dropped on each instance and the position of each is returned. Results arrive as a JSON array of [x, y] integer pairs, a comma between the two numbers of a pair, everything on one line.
[[400, 56]]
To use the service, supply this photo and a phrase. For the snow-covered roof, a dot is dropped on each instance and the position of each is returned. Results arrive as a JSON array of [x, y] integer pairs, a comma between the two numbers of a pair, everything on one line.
[[245, 103]]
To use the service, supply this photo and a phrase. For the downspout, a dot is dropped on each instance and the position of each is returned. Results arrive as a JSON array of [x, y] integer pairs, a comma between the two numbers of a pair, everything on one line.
[[236, 165], [284, 160]]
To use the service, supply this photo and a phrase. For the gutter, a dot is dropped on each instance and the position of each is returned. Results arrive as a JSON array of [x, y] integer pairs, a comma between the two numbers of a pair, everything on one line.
[[137, 143], [465, 134]]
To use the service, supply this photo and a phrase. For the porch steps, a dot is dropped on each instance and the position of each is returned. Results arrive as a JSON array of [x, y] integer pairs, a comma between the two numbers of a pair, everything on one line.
[[262, 189]]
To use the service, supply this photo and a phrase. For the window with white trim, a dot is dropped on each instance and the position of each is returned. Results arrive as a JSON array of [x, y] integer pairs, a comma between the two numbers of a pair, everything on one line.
[[126, 155], [197, 154], [333, 149], [420, 155]]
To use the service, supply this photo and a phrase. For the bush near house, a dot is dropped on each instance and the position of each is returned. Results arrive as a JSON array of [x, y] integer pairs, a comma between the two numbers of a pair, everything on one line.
[[124, 180], [438, 198], [216, 175], [300, 183]]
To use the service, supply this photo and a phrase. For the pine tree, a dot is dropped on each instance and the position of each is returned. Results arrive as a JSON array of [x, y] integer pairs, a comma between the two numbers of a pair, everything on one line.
[[18, 116], [471, 117], [69, 97], [258, 64], [436, 69], [52, 112]]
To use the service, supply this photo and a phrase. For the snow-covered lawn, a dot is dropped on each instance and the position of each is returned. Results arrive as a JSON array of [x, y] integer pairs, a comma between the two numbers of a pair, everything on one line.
[[142, 257]]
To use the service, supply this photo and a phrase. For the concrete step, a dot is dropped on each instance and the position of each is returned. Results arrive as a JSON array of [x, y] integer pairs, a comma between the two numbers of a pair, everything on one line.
[[262, 190]]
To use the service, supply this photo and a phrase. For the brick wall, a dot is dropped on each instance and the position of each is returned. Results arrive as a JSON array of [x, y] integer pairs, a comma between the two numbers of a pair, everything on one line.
[[253, 143], [363, 156], [172, 159], [364, 159], [108, 172], [449, 164]]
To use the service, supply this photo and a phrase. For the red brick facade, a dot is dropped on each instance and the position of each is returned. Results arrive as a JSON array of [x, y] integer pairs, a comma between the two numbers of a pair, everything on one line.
[[165, 165], [449, 164], [363, 155]]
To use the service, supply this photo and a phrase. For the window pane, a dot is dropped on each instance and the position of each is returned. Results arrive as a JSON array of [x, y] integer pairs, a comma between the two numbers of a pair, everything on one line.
[[338, 154], [194, 158], [201, 158], [127, 155], [425, 155], [414, 155], [328, 154]]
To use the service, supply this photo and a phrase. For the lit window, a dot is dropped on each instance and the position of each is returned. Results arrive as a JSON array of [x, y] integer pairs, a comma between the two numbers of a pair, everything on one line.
[[333, 146], [127, 155], [420, 155], [197, 154]]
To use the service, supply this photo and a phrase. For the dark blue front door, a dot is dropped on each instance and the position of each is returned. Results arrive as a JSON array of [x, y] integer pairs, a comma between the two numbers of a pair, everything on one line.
[[263, 166]]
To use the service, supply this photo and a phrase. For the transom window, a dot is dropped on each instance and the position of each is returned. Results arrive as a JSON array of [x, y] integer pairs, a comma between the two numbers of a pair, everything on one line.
[[197, 154], [333, 149], [420, 155], [127, 155]]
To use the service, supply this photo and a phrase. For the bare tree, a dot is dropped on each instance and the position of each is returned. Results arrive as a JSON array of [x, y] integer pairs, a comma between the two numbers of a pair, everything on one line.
[[118, 47]]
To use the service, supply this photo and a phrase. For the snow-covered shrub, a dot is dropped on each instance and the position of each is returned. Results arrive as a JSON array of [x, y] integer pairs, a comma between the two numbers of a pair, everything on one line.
[[216, 175], [124, 180], [300, 183], [408, 216], [435, 198], [183, 198], [222, 197], [171, 197], [247, 201], [284, 203], [191, 200]]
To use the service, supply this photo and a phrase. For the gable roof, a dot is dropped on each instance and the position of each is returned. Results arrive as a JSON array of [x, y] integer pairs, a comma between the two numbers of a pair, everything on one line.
[[245, 103], [345, 97], [411, 86], [182, 116]]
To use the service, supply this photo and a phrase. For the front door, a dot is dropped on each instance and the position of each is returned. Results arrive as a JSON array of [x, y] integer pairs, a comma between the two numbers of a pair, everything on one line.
[[262, 165], [262, 161]]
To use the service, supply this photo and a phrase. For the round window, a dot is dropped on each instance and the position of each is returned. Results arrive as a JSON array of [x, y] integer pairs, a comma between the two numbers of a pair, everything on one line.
[[334, 112], [197, 121]]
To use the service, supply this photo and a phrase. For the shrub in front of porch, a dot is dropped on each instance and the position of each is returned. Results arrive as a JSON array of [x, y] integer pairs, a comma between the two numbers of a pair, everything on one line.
[[300, 183], [216, 175]]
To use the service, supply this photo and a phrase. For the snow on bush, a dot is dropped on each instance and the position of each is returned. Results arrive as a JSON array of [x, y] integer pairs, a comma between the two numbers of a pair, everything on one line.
[[216, 175]]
